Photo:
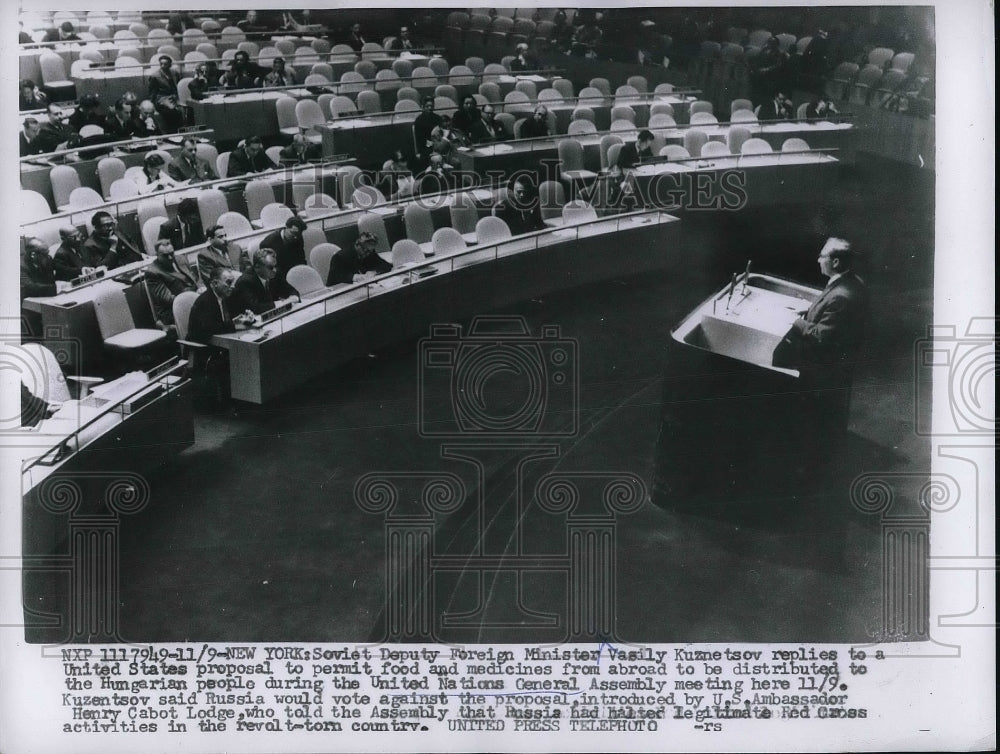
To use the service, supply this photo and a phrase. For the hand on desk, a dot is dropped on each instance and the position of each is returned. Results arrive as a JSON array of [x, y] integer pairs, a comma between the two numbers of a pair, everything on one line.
[[244, 320], [360, 277]]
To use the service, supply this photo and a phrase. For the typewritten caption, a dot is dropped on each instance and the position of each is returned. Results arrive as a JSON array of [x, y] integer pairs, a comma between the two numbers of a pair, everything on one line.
[[573, 688]]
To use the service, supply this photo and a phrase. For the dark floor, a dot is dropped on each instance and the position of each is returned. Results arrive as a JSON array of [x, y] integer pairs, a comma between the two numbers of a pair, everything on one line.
[[253, 533]]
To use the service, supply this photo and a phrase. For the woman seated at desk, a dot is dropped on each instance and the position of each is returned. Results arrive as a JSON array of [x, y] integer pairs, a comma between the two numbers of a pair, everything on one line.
[[153, 177]]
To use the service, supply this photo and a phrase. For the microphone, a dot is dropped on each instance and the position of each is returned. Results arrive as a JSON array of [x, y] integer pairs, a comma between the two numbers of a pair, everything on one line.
[[746, 276]]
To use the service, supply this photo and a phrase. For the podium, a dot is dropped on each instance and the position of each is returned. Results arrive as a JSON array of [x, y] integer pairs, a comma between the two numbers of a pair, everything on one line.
[[733, 425]]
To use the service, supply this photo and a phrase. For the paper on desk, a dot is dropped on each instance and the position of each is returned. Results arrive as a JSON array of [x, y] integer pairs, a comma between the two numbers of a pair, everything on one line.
[[351, 123], [502, 148]]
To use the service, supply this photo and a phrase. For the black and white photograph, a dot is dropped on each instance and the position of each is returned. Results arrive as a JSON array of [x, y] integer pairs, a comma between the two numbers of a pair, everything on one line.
[[423, 378]]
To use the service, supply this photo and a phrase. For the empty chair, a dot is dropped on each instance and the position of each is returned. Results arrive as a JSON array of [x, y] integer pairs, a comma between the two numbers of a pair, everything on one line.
[[387, 79], [626, 93], [211, 204], [590, 95], [887, 87], [274, 215], [406, 253], [551, 198], [740, 104], [663, 89], [755, 146], [369, 102], [352, 81], [694, 140], [661, 108], [316, 79], [604, 148], [661, 120], [288, 124], [308, 116], [90, 130], [439, 66], [321, 46], [613, 151], [800, 111], [446, 90], [507, 121], [464, 215], [34, 206], [564, 87], [402, 68], [406, 106], [493, 72], [490, 90], [319, 203], [842, 77], [902, 61], [879, 56], [867, 81], [320, 257], [109, 170], [341, 106], [373, 223], [735, 138], [638, 83], [701, 106], [366, 69], [54, 79], [84, 197], [63, 179], [491, 230], [150, 232], [118, 330], [623, 112], [794, 144], [209, 50], [250, 48], [674, 152], [622, 125], [715, 149], [758, 38], [46, 369], [583, 113], [447, 241], [517, 102], [306, 281], [418, 223], [258, 194], [601, 84], [274, 154], [126, 38], [349, 177], [222, 165], [571, 161], [365, 197], [445, 106], [785, 41], [408, 93], [461, 75], [476, 64], [743, 116], [123, 188], [235, 224], [577, 127], [529, 88], [702, 119], [578, 211]]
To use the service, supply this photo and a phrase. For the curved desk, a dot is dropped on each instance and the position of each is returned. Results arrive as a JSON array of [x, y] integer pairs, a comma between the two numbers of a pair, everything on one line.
[[348, 321]]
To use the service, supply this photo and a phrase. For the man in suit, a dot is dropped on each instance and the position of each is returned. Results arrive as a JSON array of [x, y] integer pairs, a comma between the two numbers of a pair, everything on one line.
[[188, 166], [88, 113], [30, 96], [403, 42], [148, 122], [28, 138], [37, 275], [165, 281], [423, 125], [65, 33], [249, 158], [121, 122], [633, 153], [823, 342], [163, 93], [72, 259], [288, 246], [300, 151], [220, 252], [210, 313], [242, 73], [358, 263], [184, 230], [521, 210], [112, 248], [56, 134], [776, 108], [523, 60], [259, 289], [537, 125]]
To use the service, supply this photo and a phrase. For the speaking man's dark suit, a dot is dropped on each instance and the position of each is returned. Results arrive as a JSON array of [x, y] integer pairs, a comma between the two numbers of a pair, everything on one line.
[[346, 263], [520, 220], [249, 293], [164, 285], [288, 252], [240, 162], [770, 110], [125, 252], [69, 262], [182, 169], [208, 318], [630, 156], [29, 147], [180, 237]]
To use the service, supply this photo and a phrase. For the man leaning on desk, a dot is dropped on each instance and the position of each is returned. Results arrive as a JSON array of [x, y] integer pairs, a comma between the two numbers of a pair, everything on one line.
[[259, 289], [114, 249], [249, 157], [165, 281]]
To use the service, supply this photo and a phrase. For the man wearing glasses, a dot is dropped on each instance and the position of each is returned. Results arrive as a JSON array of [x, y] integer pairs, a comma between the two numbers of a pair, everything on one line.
[[112, 247], [259, 289]]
